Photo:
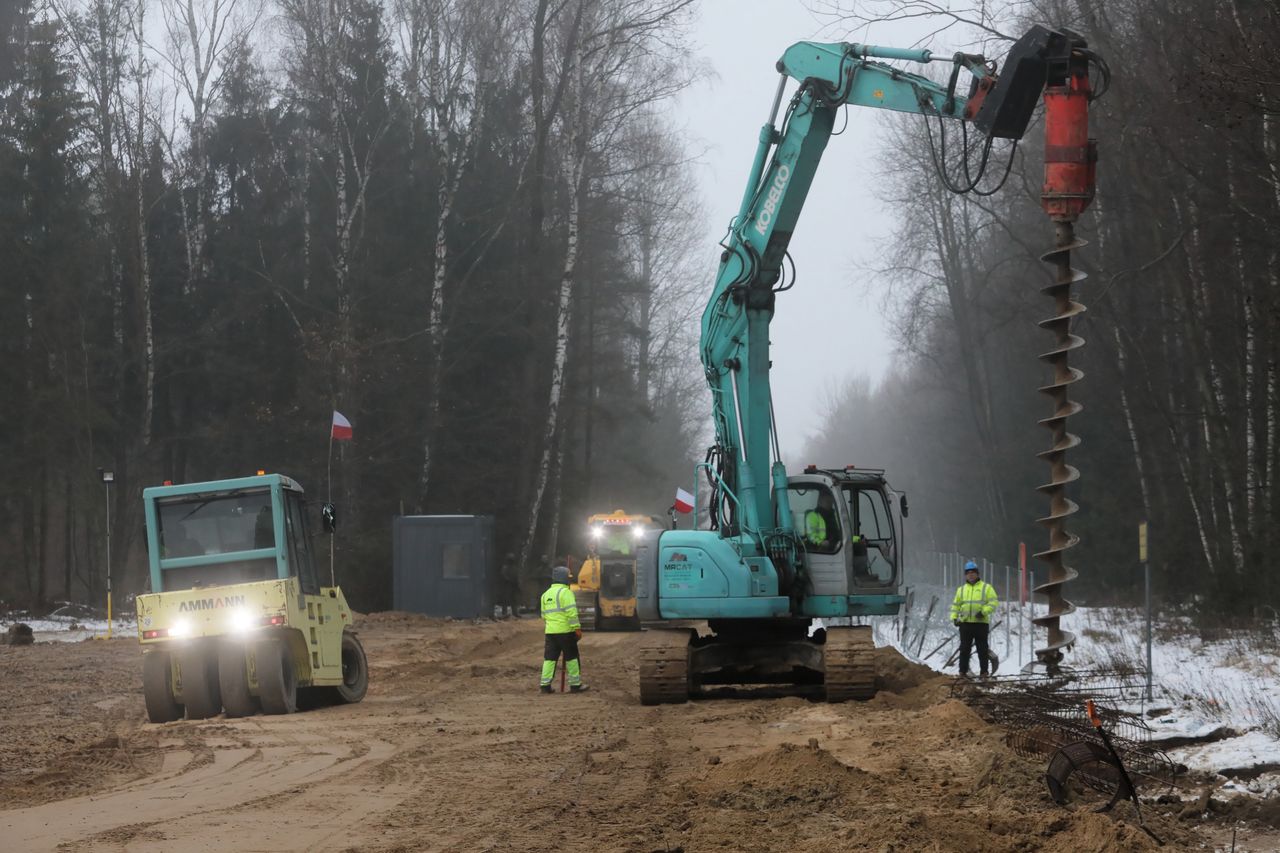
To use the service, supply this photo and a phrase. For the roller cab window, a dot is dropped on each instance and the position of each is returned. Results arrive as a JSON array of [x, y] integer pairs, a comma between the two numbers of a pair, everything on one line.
[[208, 526]]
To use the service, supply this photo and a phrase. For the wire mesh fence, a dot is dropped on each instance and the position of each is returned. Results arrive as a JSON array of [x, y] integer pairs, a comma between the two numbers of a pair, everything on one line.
[[925, 631]]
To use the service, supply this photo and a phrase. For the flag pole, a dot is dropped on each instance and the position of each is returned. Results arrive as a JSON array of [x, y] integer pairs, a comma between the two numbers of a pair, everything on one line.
[[329, 500]]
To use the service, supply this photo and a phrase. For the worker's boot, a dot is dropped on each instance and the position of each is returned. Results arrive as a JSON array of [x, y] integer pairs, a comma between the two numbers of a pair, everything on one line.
[[579, 688], [546, 688]]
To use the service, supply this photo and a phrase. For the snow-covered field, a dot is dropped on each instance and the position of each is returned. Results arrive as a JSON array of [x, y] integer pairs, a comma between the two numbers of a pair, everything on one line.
[[1223, 693], [71, 623]]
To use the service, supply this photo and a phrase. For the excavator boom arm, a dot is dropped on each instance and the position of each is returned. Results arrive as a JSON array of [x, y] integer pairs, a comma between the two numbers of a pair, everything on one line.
[[735, 324]]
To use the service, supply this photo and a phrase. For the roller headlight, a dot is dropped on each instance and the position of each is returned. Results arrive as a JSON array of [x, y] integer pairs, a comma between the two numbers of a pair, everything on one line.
[[180, 628], [242, 620]]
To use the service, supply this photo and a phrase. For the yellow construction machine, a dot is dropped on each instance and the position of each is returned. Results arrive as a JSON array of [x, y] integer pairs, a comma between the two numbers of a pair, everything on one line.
[[606, 582], [237, 618]]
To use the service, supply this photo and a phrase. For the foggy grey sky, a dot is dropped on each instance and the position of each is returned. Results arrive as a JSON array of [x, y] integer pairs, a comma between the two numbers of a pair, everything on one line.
[[830, 327]]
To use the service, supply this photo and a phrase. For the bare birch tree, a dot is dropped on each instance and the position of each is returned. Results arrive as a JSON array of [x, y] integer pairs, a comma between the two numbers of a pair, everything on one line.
[[613, 42], [335, 50], [452, 53], [202, 38]]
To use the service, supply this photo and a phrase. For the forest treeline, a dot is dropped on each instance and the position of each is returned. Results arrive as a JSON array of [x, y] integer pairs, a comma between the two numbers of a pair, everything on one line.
[[457, 222], [465, 225], [1182, 326]]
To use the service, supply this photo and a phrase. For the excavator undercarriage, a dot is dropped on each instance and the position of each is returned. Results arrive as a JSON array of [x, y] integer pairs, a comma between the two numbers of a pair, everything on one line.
[[835, 663]]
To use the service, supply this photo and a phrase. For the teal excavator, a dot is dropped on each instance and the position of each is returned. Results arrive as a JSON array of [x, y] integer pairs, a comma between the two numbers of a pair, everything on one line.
[[783, 550]]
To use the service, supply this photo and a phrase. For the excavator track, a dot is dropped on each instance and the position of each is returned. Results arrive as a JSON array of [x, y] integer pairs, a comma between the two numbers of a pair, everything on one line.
[[849, 665], [664, 667]]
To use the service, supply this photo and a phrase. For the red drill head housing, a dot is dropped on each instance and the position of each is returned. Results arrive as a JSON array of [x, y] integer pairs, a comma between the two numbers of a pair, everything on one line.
[[1070, 156], [1053, 64]]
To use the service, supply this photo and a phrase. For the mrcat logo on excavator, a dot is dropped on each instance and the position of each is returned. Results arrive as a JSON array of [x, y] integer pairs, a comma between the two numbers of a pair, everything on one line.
[[771, 202], [211, 603]]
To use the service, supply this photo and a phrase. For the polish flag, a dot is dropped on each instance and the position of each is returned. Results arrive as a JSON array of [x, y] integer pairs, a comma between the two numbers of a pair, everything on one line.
[[684, 501], [341, 427]]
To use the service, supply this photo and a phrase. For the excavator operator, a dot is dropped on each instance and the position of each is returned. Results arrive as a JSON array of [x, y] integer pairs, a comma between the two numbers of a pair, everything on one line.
[[821, 527]]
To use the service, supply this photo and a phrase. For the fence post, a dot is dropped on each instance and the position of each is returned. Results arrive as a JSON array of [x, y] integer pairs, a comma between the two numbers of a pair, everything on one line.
[[1031, 625], [1008, 613]]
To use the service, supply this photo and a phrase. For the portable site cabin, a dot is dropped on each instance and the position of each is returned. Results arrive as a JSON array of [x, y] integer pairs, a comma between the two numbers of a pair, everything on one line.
[[443, 565]]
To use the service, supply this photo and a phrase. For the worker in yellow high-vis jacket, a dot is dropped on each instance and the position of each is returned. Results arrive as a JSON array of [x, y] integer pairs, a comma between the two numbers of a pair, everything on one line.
[[971, 611], [560, 613]]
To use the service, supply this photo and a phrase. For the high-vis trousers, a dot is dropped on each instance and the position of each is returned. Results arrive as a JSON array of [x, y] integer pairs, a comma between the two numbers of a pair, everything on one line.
[[557, 644]]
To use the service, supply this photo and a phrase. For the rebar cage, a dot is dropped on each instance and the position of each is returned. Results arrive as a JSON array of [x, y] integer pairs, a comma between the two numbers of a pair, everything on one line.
[[1042, 713]]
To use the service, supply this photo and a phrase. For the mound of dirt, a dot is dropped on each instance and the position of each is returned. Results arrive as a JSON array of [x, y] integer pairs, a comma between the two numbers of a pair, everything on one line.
[[1265, 812], [953, 715], [903, 684], [897, 674], [1088, 832], [788, 765], [793, 784], [824, 802], [397, 619], [1001, 771]]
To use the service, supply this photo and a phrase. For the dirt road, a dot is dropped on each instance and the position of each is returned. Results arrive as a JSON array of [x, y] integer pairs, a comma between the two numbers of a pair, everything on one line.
[[454, 749]]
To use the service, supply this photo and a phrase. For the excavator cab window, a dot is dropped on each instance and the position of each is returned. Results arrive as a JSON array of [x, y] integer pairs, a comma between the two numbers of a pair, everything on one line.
[[874, 552], [814, 515]]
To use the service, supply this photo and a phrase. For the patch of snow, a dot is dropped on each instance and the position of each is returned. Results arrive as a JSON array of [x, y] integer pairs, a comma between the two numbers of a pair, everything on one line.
[[1205, 686], [1251, 749], [1168, 727], [60, 630]]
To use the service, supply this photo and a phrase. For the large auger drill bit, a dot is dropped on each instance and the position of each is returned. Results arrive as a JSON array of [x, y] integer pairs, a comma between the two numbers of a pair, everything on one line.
[[1070, 158], [1061, 474]]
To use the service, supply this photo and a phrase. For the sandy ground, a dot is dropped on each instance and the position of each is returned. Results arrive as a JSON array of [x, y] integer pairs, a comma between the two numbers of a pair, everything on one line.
[[454, 749]]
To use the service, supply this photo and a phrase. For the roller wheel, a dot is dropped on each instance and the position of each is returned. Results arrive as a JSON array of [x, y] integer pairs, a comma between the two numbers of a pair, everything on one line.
[[277, 682], [233, 680], [157, 687], [355, 670], [199, 668]]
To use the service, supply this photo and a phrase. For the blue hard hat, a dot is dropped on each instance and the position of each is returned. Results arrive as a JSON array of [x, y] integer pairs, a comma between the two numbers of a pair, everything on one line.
[[971, 566]]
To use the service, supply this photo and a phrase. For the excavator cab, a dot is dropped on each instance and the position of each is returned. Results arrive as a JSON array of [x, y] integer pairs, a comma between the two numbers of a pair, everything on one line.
[[850, 538]]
